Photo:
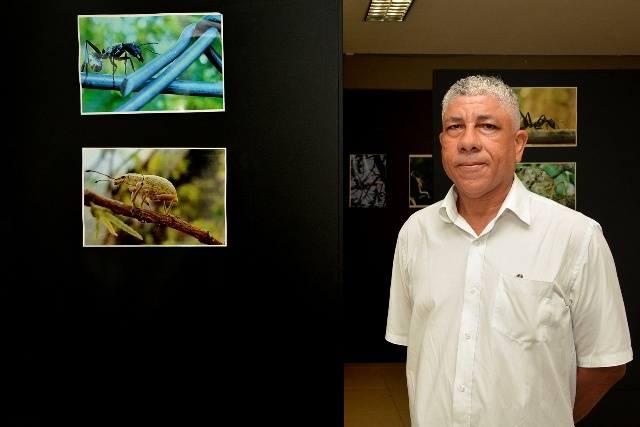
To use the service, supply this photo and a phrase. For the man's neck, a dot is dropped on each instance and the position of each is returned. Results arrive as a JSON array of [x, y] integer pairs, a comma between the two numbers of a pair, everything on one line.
[[478, 212]]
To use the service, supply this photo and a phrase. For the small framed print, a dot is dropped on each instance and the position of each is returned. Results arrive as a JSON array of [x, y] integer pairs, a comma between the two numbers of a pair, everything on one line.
[[150, 63], [421, 177], [154, 197], [367, 182]]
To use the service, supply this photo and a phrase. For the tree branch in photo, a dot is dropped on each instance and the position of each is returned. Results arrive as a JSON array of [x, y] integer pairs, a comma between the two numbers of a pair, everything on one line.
[[145, 215]]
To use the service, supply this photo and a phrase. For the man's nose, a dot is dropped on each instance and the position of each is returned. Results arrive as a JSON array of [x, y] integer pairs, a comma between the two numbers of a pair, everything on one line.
[[469, 140]]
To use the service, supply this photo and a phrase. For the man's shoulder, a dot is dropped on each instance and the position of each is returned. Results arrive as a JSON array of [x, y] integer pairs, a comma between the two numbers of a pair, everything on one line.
[[423, 216], [426, 212], [555, 211]]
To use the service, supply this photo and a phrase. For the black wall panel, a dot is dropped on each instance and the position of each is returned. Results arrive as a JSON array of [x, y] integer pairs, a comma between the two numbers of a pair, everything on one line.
[[196, 333]]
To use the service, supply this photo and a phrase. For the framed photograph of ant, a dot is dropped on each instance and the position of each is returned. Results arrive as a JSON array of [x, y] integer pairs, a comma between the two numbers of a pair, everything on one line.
[[367, 184], [421, 177], [555, 181], [162, 63], [154, 196], [549, 115]]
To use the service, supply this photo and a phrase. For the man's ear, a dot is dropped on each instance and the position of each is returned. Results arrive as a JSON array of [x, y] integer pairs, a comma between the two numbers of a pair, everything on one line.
[[520, 140]]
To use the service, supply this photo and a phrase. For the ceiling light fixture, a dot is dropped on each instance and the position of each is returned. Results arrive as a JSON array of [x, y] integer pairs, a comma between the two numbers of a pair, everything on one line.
[[388, 10]]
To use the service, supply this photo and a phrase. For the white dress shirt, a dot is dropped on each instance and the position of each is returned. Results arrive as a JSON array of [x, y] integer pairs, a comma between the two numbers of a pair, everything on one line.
[[495, 324]]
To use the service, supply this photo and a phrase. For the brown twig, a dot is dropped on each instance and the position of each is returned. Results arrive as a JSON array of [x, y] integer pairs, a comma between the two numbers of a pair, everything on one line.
[[146, 215]]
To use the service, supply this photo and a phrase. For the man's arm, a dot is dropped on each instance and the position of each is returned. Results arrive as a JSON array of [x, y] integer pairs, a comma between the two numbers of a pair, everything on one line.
[[591, 385]]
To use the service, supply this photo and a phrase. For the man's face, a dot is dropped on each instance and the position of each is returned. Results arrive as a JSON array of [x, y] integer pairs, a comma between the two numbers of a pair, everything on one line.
[[479, 146]]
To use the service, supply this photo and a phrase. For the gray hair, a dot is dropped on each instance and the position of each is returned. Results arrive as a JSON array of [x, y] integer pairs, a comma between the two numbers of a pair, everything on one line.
[[489, 86]]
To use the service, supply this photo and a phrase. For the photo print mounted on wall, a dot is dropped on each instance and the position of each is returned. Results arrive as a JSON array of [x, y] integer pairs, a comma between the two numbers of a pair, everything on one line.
[[367, 187], [555, 181], [154, 197], [421, 178], [150, 63], [549, 115]]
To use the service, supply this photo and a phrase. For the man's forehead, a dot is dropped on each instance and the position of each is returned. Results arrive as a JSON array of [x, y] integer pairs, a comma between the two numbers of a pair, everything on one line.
[[477, 105], [488, 100]]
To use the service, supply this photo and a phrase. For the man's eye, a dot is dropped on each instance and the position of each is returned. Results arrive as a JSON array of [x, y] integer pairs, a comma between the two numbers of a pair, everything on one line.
[[454, 127], [487, 126]]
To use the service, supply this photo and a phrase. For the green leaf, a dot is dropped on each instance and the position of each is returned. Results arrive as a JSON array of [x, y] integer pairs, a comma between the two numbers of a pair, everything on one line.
[[105, 216]]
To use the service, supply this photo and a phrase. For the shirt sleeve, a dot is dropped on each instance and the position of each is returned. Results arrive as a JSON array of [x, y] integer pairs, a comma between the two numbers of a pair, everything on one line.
[[399, 314], [600, 328]]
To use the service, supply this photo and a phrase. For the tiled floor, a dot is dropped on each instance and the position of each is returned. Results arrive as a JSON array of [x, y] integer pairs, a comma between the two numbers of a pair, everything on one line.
[[375, 395]]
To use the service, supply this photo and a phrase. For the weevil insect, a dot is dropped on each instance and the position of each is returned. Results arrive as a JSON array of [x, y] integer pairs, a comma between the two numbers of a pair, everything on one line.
[[152, 187]]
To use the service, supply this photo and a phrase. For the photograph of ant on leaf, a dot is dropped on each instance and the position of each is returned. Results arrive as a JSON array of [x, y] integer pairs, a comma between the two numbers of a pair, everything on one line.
[[150, 63], [549, 115], [154, 196]]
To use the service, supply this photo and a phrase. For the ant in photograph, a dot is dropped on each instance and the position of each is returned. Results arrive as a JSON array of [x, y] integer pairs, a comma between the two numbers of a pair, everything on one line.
[[527, 122], [116, 52]]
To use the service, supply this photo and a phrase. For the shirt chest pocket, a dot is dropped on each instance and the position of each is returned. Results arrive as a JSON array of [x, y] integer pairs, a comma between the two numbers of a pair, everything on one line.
[[522, 308]]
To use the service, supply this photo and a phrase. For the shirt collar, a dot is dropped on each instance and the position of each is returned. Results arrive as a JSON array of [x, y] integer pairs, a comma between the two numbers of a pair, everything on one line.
[[517, 201]]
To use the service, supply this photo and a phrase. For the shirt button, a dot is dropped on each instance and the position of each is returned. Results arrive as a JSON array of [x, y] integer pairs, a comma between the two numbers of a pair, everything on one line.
[[467, 335], [477, 242], [473, 290], [462, 387]]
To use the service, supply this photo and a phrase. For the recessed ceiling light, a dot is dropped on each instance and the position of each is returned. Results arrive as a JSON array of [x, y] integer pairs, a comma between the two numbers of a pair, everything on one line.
[[388, 10]]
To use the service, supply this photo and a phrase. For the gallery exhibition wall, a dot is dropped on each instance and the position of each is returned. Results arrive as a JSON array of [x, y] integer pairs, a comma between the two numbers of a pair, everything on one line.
[[296, 281]]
